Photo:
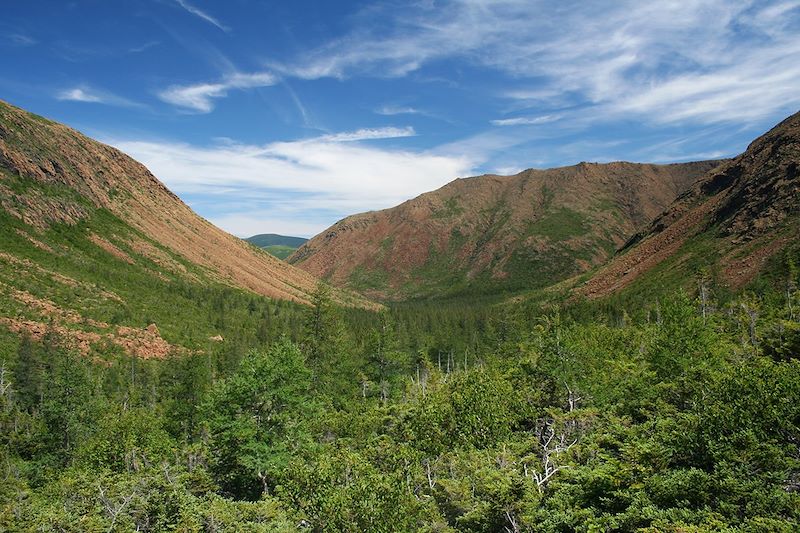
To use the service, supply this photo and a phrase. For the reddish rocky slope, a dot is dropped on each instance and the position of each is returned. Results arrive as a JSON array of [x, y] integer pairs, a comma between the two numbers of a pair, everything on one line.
[[50, 154], [492, 233], [730, 222]]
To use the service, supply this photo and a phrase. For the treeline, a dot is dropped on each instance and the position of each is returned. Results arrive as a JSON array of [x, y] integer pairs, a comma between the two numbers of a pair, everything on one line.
[[681, 414]]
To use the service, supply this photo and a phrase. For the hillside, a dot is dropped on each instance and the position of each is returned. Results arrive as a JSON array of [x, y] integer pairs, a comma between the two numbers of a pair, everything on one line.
[[279, 246], [494, 233], [729, 224], [273, 239], [96, 248]]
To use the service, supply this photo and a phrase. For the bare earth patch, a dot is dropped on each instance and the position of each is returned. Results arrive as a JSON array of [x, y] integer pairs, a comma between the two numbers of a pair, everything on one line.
[[110, 248]]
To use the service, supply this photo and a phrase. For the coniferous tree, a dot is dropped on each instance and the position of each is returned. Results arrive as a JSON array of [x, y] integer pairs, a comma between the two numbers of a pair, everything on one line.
[[28, 374], [383, 354], [255, 419], [324, 340]]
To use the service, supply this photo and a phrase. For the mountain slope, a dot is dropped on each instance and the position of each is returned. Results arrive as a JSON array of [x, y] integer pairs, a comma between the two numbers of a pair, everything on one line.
[[50, 154], [95, 248], [730, 222], [279, 246], [491, 233]]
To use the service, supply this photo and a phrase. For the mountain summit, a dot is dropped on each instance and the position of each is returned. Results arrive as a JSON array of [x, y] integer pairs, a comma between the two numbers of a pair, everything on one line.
[[496, 232], [730, 222]]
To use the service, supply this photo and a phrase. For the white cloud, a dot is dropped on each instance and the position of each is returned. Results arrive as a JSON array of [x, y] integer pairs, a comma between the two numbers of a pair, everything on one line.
[[389, 110], [525, 121], [737, 59], [78, 94], [200, 97], [286, 183], [202, 14], [507, 171], [365, 134], [86, 94]]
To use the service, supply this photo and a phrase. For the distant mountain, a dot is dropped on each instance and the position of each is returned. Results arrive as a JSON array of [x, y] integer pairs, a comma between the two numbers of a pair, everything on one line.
[[494, 233], [271, 239], [96, 247], [728, 225], [280, 246]]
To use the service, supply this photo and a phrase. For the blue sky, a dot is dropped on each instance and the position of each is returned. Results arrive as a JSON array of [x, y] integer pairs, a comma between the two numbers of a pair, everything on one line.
[[286, 116]]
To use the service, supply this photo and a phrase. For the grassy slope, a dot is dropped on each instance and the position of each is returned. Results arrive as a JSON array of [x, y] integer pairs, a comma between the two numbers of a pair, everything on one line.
[[280, 251], [64, 266]]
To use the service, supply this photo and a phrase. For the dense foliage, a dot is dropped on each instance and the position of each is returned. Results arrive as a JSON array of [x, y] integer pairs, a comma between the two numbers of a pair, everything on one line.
[[676, 414]]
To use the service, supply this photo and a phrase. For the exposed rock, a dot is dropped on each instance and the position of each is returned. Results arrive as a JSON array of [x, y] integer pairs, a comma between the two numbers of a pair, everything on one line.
[[748, 207], [534, 228], [100, 176]]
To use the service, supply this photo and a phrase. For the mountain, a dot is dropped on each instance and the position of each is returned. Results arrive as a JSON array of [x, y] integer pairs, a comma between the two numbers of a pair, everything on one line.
[[272, 239], [95, 247], [280, 246], [492, 233], [729, 224]]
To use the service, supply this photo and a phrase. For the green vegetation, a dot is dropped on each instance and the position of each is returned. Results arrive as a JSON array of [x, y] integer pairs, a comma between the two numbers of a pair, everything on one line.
[[450, 209], [559, 224], [668, 414], [362, 279], [657, 409], [279, 246], [279, 250]]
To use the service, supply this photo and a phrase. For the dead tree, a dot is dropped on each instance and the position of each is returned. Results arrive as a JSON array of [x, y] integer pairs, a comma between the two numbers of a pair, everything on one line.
[[429, 474], [572, 398], [5, 384], [115, 508], [751, 312], [551, 445], [513, 523], [704, 291]]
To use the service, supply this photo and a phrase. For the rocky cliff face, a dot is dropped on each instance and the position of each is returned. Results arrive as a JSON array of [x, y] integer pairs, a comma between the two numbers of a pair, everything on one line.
[[491, 233], [742, 213]]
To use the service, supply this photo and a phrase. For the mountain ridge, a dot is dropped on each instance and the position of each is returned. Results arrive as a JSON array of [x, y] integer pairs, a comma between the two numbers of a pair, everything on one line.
[[97, 251], [49, 153], [529, 229], [742, 213]]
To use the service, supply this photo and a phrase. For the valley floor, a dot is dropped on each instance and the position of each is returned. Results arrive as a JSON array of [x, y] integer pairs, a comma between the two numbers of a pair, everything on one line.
[[670, 415]]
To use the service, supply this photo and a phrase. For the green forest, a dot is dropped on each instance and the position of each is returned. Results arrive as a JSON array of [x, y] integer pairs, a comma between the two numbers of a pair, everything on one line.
[[672, 412]]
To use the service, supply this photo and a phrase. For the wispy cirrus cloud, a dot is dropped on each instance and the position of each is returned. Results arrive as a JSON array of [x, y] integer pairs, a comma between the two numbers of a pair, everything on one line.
[[201, 14], [525, 121], [391, 110], [21, 39], [366, 134], [200, 97], [90, 95], [142, 47], [624, 57]]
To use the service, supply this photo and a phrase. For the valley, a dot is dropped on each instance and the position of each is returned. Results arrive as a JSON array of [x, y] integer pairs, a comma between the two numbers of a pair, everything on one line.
[[279, 246], [551, 284], [128, 348]]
